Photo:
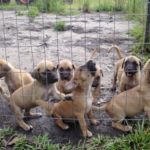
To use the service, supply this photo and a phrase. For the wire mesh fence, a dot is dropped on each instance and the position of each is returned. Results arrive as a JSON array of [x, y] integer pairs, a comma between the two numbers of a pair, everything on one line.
[[29, 33]]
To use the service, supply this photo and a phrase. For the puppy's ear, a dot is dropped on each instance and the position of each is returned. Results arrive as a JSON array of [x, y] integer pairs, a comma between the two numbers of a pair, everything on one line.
[[73, 66], [36, 74], [6, 67], [57, 66], [123, 63], [101, 72], [141, 65]]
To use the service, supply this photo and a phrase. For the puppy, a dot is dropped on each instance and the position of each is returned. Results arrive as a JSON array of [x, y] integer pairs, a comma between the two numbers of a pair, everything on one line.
[[129, 103], [96, 85], [81, 99], [127, 71], [66, 71], [14, 78], [34, 93]]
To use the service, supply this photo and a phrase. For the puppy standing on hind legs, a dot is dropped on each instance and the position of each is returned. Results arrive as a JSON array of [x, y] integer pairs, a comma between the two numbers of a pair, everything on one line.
[[81, 103], [35, 93], [135, 101], [127, 72]]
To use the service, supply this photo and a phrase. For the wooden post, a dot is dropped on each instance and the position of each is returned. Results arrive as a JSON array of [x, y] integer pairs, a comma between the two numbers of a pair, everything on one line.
[[147, 29]]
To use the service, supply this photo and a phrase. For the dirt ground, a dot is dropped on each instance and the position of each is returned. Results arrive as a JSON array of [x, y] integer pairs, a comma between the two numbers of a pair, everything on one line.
[[24, 44]]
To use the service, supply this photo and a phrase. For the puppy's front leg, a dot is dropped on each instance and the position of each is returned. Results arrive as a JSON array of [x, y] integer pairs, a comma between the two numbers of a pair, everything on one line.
[[121, 127], [19, 117], [83, 125], [96, 94], [92, 118], [32, 115], [61, 96], [45, 105]]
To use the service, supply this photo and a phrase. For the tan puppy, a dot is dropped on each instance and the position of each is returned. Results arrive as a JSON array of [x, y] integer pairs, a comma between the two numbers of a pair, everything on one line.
[[14, 78], [96, 85], [66, 71], [130, 103], [127, 72], [82, 100], [34, 93]]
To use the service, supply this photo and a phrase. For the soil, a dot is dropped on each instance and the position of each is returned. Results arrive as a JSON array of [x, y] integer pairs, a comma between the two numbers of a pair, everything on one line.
[[24, 43]]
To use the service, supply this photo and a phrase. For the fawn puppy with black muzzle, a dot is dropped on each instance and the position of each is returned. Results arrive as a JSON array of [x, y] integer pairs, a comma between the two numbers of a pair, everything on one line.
[[81, 103], [127, 72], [129, 103], [36, 93]]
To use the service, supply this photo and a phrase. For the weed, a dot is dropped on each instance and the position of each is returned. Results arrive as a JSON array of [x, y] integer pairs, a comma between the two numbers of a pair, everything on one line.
[[59, 26], [56, 6]]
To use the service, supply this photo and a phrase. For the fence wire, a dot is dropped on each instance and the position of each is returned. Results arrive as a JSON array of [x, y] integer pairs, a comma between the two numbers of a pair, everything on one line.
[[24, 43]]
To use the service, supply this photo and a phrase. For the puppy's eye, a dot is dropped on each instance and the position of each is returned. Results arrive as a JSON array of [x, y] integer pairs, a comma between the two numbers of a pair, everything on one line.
[[68, 69], [98, 77], [61, 69]]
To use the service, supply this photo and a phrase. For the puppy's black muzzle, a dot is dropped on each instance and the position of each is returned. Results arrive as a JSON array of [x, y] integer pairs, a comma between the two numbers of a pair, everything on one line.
[[130, 69], [65, 75], [91, 66], [49, 77]]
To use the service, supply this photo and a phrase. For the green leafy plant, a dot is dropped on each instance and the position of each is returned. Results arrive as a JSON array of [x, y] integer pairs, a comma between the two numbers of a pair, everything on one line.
[[59, 26]]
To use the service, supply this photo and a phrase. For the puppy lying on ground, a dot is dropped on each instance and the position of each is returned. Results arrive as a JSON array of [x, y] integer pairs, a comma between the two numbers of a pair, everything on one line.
[[34, 93], [129, 103], [14, 78], [66, 71], [127, 71], [96, 85], [81, 99]]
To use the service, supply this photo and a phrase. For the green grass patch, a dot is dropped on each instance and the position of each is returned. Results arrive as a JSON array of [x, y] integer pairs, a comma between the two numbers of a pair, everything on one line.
[[33, 12], [49, 6], [138, 139], [138, 49], [60, 26]]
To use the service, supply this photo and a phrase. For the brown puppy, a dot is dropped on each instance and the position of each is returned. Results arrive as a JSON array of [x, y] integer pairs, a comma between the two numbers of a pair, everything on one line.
[[14, 78], [96, 85], [66, 71], [127, 72], [34, 93], [82, 99], [130, 103]]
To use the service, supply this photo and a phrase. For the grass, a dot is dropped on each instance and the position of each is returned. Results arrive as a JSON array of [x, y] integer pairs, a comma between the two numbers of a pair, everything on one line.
[[138, 139], [59, 26]]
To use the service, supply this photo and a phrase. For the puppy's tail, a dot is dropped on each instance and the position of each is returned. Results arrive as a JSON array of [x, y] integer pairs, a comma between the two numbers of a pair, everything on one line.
[[101, 108], [118, 50], [93, 53], [3, 95]]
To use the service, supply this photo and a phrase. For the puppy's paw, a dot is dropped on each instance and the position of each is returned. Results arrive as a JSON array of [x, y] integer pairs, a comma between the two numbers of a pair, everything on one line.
[[68, 98], [128, 129], [87, 134], [65, 127], [95, 122], [28, 128], [55, 100]]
